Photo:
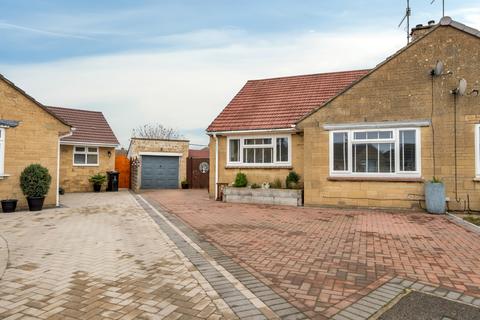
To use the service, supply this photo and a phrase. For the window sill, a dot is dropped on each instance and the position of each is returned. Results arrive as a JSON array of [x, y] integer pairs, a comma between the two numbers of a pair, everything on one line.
[[3, 176], [376, 179], [259, 167], [86, 165], [476, 179]]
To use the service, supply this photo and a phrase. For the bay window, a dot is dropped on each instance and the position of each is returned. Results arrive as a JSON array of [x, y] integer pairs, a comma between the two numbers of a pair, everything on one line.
[[258, 151], [375, 152], [2, 151], [85, 156]]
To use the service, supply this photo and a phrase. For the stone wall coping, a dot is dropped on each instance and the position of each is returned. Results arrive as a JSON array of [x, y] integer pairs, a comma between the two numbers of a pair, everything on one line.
[[260, 191]]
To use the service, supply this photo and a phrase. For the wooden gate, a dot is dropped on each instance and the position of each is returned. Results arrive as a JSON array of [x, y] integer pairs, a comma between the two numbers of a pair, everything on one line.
[[122, 165], [198, 173]]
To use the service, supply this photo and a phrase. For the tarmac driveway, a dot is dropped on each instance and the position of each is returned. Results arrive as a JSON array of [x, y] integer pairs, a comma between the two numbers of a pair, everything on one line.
[[324, 260]]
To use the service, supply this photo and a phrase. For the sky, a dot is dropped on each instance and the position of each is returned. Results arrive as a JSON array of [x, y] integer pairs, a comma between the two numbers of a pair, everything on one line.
[[179, 62]]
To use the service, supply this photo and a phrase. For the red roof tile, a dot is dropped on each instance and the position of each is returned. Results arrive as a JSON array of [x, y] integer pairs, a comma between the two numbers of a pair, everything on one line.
[[90, 126], [280, 102], [203, 153]]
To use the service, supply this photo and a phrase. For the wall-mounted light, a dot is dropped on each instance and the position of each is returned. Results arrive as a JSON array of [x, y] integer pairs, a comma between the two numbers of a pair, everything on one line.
[[109, 153]]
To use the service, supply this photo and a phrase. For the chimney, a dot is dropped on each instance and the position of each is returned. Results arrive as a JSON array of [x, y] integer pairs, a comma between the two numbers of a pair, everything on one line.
[[421, 30]]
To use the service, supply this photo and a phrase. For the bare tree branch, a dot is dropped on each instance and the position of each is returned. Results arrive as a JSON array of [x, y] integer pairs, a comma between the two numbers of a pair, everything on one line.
[[156, 131]]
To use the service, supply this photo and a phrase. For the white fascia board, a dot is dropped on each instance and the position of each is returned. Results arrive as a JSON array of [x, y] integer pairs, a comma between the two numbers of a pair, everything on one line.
[[376, 125], [284, 130], [161, 154]]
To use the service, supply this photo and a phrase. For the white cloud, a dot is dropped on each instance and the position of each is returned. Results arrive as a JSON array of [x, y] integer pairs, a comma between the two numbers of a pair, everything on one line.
[[187, 88]]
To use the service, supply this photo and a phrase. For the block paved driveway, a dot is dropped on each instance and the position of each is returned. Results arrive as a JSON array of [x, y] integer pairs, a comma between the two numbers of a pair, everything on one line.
[[103, 257], [323, 260]]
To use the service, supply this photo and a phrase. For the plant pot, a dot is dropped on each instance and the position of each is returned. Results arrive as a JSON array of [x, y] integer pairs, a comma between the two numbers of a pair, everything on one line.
[[97, 187], [9, 205], [184, 185], [435, 197], [35, 203]]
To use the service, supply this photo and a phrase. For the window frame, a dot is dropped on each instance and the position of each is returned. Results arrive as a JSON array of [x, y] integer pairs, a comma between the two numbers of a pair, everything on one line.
[[2, 151], [273, 145], [86, 153], [395, 140]]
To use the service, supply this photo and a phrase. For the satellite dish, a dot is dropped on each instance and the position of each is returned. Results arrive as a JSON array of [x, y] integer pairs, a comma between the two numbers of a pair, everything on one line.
[[438, 70], [462, 87]]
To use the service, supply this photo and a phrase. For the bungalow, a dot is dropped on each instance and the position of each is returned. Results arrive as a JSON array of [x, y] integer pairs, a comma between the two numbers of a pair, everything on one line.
[[90, 149], [71, 144], [372, 142], [29, 133]]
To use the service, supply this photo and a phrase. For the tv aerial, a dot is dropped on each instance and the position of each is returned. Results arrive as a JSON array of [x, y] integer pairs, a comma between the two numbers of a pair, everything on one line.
[[406, 17], [443, 7]]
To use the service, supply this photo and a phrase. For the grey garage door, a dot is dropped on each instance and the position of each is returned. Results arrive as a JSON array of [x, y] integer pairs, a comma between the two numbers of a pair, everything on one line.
[[159, 172]]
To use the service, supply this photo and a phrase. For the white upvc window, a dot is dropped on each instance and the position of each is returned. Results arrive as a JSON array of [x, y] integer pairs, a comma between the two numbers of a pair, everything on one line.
[[477, 150], [2, 151], [85, 156], [254, 151], [375, 152]]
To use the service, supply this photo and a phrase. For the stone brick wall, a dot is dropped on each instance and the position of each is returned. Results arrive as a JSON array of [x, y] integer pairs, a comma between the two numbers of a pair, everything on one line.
[[401, 89], [254, 175], [75, 178], [35, 140], [138, 145]]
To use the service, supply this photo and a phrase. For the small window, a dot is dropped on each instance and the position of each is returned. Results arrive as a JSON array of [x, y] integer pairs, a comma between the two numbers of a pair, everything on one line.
[[2, 151], [85, 156], [234, 146]]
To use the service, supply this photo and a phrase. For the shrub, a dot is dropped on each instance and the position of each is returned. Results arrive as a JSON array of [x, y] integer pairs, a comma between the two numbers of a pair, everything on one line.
[[276, 184], [240, 180], [255, 186], [436, 180], [292, 180], [98, 179], [35, 181]]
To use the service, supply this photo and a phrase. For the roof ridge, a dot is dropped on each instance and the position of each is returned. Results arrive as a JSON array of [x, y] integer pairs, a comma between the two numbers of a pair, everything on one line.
[[310, 75], [75, 109]]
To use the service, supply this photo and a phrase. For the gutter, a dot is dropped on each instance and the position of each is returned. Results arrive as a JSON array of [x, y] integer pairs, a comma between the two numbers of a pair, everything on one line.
[[57, 201], [292, 129]]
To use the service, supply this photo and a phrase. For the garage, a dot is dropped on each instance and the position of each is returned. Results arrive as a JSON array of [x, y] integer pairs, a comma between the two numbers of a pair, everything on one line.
[[160, 172]]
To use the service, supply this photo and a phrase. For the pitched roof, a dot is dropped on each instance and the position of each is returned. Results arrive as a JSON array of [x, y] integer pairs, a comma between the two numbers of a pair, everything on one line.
[[90, 126], [26, 95], [203, 153], [445, 21], [279, 102]]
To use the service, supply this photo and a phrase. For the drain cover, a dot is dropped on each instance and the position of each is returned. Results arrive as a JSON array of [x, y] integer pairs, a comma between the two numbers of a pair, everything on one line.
[[416, 305]]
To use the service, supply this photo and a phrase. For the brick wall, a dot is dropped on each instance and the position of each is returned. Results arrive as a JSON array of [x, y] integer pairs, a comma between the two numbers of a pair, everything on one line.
[[254, 175], [401, 89], [35, 140], [75, 178], [138, 145]]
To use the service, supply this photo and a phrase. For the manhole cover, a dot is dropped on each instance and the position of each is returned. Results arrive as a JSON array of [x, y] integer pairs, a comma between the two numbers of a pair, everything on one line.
[[416, 305]]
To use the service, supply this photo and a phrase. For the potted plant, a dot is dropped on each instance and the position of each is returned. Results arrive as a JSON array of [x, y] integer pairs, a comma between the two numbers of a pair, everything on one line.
[[9, 205], [184, 184], [97, 180], [292, 180], [240, 180], [435, 196], [35, 181]]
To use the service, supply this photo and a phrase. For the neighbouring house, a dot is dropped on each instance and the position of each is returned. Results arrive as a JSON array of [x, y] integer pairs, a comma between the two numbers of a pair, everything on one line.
[[157, 163], [376, 142], [89, 150], [29, 133], [256, 132]]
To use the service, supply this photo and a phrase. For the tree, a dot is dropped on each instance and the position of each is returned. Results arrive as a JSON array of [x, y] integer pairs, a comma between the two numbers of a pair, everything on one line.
[[156, 131]]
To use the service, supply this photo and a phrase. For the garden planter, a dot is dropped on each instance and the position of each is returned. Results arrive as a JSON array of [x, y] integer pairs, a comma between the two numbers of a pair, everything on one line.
[[9, 205], [97, 187], [435, 197], [184, 185], [286, 197], [35, 203]]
